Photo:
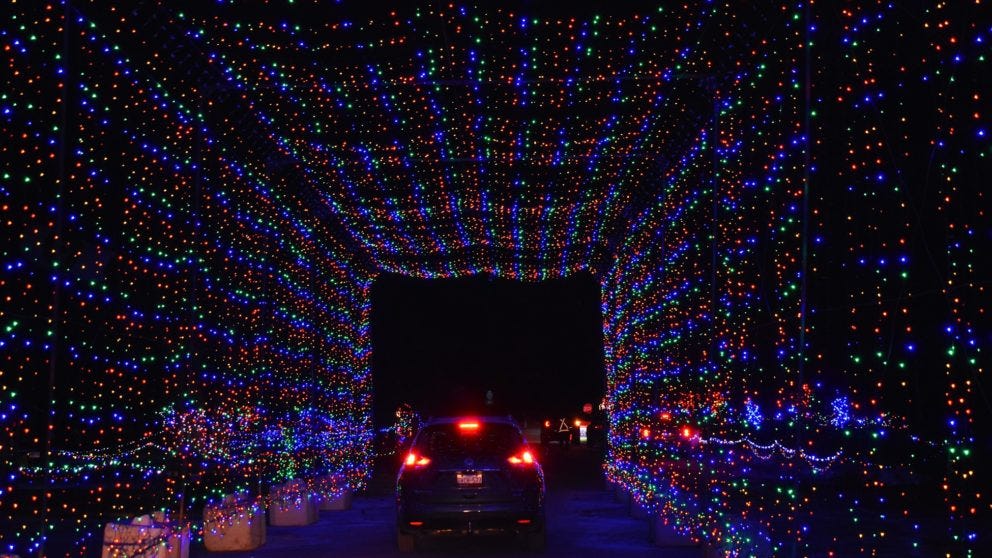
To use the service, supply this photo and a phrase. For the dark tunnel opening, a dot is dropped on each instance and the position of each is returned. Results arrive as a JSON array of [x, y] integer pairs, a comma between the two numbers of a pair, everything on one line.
[[440, 345]]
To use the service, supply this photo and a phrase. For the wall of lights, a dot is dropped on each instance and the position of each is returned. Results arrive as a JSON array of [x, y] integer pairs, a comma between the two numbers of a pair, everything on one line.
[[179, 323], [783, 334], [784, 204]]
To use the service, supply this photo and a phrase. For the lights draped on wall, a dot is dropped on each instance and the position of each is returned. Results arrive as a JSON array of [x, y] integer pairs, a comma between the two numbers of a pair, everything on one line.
[[180, 323], [784, 205], [791, 371]]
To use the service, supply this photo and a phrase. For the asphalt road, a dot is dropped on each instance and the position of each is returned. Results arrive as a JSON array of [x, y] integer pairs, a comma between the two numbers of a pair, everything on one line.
[[584, 519]]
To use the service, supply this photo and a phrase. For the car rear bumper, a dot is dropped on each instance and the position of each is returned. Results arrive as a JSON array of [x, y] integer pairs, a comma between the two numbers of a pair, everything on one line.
[[522, 516]]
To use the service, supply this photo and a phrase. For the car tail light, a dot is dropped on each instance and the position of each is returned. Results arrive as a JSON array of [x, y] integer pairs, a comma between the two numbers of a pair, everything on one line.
[[523, 458], [414, 460]]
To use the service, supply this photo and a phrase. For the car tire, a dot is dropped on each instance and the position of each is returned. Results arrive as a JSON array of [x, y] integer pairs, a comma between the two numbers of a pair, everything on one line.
[[405, 542], [536, 541]]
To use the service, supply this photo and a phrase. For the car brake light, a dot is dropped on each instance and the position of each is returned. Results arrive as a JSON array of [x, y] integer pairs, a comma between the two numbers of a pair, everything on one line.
[[468, 426], [414, 460], [523, 458]]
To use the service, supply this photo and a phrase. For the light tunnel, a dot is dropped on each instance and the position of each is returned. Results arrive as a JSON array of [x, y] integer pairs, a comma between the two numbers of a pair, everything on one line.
[[783, 205]]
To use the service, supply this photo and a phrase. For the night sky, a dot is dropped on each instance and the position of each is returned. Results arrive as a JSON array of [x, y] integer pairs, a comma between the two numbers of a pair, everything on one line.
[[439, 345]]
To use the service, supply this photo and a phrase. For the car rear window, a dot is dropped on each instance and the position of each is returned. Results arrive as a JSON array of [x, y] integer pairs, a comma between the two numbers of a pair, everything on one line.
[[447, 440]]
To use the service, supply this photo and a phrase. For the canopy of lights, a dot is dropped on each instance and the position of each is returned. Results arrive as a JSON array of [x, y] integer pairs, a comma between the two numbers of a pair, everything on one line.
[[784, 203]]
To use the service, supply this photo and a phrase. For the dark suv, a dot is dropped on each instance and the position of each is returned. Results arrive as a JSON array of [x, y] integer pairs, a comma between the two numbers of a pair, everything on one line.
[[470, 475], [556, 430]]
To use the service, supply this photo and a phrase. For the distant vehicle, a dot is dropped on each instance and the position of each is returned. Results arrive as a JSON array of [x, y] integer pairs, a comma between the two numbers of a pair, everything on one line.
[[470, 475], [597, 433], [556, 430], [590, 430]]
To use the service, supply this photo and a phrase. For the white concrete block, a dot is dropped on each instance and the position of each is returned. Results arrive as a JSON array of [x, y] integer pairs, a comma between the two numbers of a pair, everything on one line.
[[233, 524], [292, 504], [638, 510], [665, 534], [336, 502], [146, 537]]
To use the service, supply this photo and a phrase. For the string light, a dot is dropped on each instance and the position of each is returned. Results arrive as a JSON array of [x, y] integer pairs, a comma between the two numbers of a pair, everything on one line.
[[783, 204]]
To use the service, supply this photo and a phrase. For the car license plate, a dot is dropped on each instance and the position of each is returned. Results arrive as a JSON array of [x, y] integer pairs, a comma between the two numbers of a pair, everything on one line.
[[469, 479]]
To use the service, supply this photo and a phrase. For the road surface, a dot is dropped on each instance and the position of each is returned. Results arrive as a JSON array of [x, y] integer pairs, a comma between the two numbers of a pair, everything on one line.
[[585, 519]]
